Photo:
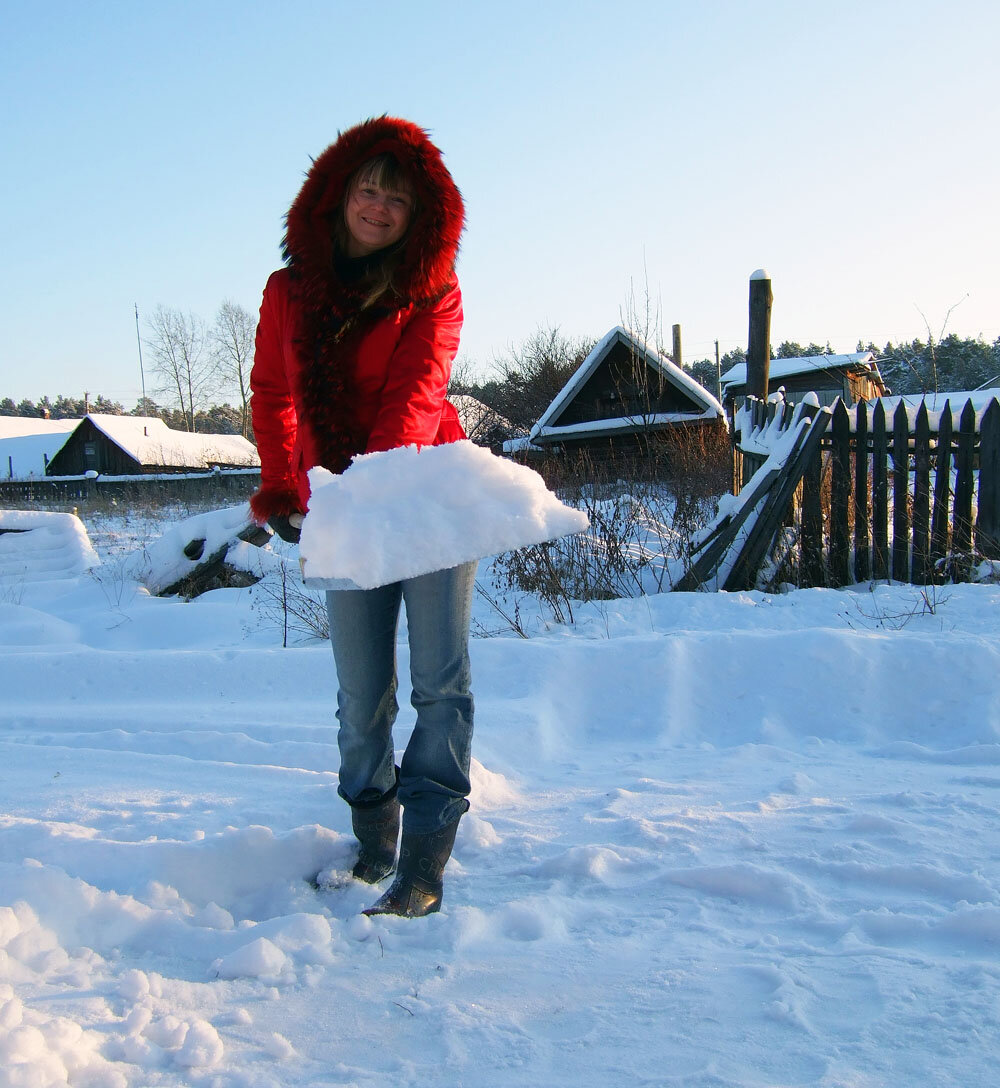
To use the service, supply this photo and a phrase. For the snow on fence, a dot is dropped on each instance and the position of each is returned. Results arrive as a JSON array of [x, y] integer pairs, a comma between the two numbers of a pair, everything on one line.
[[910, 496], [189, 486], [728, 553]]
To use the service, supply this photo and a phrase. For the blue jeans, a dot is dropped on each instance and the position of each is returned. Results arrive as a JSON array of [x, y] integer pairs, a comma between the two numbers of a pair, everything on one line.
[[434, 771]]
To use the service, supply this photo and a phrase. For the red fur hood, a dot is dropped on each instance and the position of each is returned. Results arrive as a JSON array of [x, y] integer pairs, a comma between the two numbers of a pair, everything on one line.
[[433, 238]]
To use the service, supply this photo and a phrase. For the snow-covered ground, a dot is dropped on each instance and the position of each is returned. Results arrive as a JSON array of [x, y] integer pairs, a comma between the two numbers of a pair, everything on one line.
[[715, 840]]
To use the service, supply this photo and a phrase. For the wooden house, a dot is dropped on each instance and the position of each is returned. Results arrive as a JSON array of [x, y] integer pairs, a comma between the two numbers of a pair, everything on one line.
[[141, 445], [853, 377], [622, 395]]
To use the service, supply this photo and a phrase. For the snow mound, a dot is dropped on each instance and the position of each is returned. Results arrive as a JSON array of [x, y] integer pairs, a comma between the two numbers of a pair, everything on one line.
[[260, 958], [36, 546], [21, 626], [410, 511]]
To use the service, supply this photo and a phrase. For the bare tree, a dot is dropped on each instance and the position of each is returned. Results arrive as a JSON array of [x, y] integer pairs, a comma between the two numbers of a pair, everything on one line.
[[481, 422], [463, 378], [178, 345], [233, 344], [529, 377]]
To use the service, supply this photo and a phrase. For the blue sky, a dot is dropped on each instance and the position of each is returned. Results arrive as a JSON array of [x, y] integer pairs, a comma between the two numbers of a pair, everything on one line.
[[606, 152]]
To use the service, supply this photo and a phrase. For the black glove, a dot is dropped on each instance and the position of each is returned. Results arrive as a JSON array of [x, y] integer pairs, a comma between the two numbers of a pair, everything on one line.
[[288, 527]]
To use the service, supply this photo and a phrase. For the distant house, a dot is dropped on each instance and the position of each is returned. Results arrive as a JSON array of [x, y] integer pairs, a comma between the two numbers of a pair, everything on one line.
[[620, 396], [483, 424], [139, 445], [28, 444], [853, 377]]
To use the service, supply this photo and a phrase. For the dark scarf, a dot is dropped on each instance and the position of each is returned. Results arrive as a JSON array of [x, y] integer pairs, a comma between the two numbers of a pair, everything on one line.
[[329, 339]]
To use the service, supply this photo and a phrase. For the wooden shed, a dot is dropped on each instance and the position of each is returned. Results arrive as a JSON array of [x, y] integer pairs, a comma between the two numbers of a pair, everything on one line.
[[852, 377], [141, 445], [620, 396]]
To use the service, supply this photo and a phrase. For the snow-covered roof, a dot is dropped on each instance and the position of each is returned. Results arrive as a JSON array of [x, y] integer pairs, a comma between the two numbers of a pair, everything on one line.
[[472, 413], [711, 408], [519, 444], [957, 399], [21, 426], [803, 364], [25, 443], [151, 442], [620, 424]]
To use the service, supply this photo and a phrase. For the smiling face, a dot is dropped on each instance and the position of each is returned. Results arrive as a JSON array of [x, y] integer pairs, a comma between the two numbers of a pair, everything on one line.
[[375, 215]]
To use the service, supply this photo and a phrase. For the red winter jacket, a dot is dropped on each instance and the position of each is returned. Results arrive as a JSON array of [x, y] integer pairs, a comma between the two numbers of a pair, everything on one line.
[[319, 398]]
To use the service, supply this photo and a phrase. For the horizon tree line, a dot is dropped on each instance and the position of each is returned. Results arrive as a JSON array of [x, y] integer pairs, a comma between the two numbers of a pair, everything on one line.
[[194, 363]]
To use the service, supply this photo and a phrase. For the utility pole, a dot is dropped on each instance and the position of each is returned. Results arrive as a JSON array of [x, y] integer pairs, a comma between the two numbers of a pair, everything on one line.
[[142, 376], [718, 374]]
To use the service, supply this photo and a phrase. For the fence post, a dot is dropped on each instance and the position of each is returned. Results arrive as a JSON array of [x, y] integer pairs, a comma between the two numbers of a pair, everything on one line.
[[900, 494], [862, 530], [961, 528], [920, 562], [813, 570], [942, 492], [880, 495], [988, 517], [759, 341], [840, 496]]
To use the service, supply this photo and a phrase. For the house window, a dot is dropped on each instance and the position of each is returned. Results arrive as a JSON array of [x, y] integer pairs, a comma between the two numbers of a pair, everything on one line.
[[90, 454]]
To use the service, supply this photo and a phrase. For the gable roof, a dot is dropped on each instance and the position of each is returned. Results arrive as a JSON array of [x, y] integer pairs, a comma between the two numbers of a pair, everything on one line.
[[21, 426], [473, 413], [804, 364], [704, 405], [150, 441]]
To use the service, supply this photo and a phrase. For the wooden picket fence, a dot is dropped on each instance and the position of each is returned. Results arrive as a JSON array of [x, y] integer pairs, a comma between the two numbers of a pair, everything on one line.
[[861, 494]]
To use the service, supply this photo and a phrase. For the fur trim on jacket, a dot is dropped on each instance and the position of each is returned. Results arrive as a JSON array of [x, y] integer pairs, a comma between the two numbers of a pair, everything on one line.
[[333, 322], [332, 378], [432, 240]]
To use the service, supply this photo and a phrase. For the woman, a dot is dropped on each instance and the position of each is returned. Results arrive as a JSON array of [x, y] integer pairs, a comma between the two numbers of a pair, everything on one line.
[[354, 350]]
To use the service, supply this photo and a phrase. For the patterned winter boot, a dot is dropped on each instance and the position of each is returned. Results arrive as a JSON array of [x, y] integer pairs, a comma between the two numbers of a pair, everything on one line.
[[376, 827], [418, 887]]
